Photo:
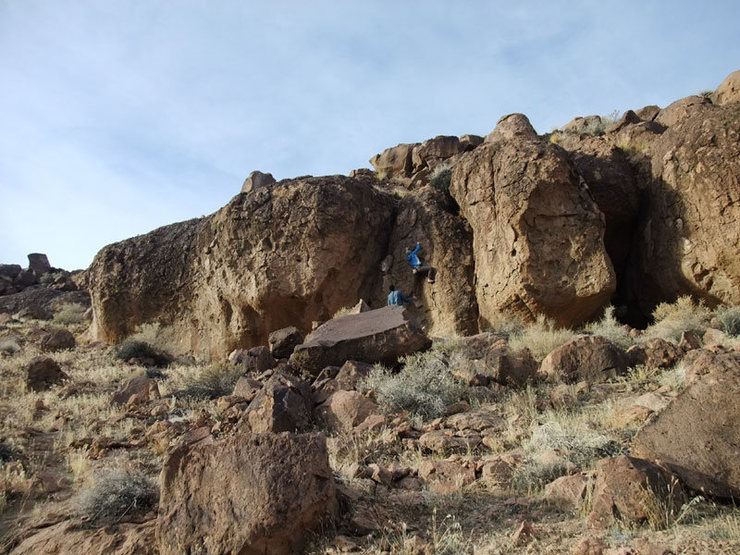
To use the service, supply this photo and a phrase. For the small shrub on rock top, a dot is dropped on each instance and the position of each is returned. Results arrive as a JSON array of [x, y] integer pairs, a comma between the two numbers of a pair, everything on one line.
[[729, 318], [424, 387], [441, 178], [118, 494], [141, 350]]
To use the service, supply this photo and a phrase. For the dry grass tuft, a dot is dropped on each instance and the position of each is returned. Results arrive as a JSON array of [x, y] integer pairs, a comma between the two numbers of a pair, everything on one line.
[[118, 494], [541, 338]]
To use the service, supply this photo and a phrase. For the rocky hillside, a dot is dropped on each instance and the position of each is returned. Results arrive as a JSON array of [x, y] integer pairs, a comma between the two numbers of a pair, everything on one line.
[[632, 213]]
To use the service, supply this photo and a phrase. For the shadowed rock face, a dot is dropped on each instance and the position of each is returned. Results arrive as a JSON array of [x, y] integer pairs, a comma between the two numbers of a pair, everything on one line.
[[537, 233], [284, 255]]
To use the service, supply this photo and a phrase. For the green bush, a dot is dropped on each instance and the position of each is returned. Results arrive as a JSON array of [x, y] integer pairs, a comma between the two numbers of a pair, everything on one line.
[[141, 350], [213, 382], [441, 178], [118, 494], [729, 319], [72, 313], [424, 387]]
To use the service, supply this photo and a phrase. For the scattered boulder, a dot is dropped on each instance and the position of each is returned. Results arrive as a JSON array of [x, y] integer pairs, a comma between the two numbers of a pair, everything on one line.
[[527, 208], [447, 476], [394, 162], [282, 405], [655, 353], [38, 263], [283, 341], [344, 410], [633, 491], [696, 436], [648, 113], [509, 368], [586, 357], [257, 359], [352, 373], [382, 335], [589, 125], [41, 303], [251, 494], [246, 388], [136, 391], [429, 153], [42, 373], [256, 180], [568, 492], [58, 339]]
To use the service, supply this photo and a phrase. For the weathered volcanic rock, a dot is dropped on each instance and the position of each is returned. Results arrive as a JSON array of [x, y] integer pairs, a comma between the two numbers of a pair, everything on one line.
[[42, 301], [38, 263], [429, 153], [537, 232], [697, 434], [284, 340], [690, 238], [448, 306], [257, 179], [395, 161], [288, 254], [42, 373], [284, 404], [587, 357], [255, 494], [57, 340], [632, 489], [382, 335], [729, 90]]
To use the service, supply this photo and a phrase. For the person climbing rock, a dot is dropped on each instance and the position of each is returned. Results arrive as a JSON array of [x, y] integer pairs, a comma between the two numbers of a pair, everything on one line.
[[417, 267], [397, 298]]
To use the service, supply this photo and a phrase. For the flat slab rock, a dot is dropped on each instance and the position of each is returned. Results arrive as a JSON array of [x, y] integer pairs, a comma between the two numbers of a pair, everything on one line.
[[382, 335]]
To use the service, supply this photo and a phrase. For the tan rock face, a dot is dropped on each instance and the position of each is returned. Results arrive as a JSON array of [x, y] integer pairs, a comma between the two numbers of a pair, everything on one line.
[[448, 306], [537, 232], [696, 435], [729, 90], [248, 494], [285, 255], [394, 162], [690, 238]]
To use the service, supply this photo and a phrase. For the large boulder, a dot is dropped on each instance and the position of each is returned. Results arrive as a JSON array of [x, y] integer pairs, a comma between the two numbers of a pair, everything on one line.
[[633, 491], [697, 434], [284, 404], [256, 180], [432, 151], [38, 263], [537, 232], [288, 254], [248, 494], [382, 335], [344, 410], [689, 238], [57, 340], [395, 161], [430, 217], [729, 90], [284, 340], [586, 357], [43, 373]]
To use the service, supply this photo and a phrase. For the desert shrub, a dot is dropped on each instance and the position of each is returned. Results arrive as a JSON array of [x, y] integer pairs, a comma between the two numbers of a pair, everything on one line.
[[579, 443], [671, 319], [729, 319], [441, 178], [540, 338], [342, 312], [118, 494], [9, 346], [533, 476], [214, 381], [49, 277], [424, 387], [505, 324], [142, 350], [71, 313], [610, 328]]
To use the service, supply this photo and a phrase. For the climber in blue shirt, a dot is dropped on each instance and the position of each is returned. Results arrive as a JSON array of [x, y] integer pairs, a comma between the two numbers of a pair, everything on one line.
[[417, 266], [396, 298]]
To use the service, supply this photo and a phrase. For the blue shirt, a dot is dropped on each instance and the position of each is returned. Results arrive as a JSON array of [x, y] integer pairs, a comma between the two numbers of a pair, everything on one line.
[[397, 298], [412, 258]]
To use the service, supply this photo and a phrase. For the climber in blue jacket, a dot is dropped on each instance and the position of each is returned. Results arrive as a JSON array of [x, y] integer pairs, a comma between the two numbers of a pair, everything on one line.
[[397, 298], [417, 267]]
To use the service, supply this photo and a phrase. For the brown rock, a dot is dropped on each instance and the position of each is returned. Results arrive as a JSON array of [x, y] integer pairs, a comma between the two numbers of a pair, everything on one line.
[[648, 113], [256, 180], [589, 545], [634, 491], [257, 359], [446, 477], [432, 151], [38, 263], [655, 353], [282, 405], [283, 341], [246, 388], [442, 443], [42, 373], [713, 337], [589, 125], [57, 340], [477, 420], [512, 369], [511, 128], [137, 390], [394, 162], [352, 373], [696, 436], [277, 487], [537, 233], [345, 410], [523, 534], [567, 492], [469, 142], [269, 259], [587, 357], [729, 90], [382, 335]]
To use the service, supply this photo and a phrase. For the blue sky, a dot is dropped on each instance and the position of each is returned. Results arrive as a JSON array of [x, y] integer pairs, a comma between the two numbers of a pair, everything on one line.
[[119, 117]]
